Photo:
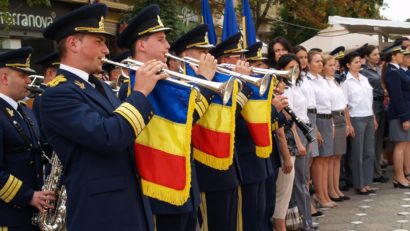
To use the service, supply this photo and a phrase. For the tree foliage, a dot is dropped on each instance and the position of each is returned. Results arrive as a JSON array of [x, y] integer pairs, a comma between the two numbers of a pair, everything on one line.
[[314, 14]]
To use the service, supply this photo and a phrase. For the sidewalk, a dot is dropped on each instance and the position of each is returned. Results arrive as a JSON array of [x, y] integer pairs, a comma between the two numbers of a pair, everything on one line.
[[388, 210]]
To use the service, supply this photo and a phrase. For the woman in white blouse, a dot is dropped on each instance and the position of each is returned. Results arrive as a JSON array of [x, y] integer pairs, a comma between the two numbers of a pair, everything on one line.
[[339, 104], [361, 124], [322, 94]]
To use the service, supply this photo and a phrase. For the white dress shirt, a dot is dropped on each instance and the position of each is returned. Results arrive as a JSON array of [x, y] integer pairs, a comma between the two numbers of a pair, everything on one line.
[[339, 101], [80, 73], [9, 100], [359, 95], [323, 94], [297, 102], [308, 92]]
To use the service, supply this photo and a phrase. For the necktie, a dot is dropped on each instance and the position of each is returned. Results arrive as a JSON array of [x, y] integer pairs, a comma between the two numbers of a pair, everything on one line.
[[98, 85]]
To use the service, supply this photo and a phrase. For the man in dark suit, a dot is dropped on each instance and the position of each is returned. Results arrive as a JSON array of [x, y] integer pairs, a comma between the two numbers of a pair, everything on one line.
[[91, 131], [20, 153]]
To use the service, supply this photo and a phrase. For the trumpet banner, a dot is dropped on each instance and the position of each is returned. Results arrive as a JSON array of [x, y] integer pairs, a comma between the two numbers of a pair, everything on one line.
[[257, 114], [162, 150], [213, 134]]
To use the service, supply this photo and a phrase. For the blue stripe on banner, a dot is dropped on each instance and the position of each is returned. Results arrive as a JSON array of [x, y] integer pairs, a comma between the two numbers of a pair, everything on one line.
[[169, 100]]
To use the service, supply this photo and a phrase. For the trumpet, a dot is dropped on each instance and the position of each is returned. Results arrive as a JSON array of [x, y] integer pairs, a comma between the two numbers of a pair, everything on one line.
[[34, 86], [292, 74], [224, 90], [261, 83]]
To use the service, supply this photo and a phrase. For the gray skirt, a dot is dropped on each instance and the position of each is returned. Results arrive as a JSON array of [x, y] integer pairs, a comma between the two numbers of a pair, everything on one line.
[[340, 140], [396, 132], [314, 149], [326, 130]]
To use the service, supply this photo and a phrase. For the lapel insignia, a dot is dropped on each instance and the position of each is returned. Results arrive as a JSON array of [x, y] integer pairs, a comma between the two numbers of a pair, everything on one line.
[[56, 81], [79, 84], [10, 112]]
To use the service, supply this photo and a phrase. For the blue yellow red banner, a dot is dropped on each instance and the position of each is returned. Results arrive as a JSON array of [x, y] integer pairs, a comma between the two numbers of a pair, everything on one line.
[[257, 114], [162, 150], [213, 135]]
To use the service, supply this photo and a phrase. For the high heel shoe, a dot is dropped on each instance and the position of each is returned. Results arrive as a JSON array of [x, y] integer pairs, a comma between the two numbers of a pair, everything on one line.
[[336, 199], [320, 205], [358, 191], [397, 184]]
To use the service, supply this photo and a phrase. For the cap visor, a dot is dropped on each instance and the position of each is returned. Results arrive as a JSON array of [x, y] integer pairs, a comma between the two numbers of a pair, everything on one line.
[[24, 70]]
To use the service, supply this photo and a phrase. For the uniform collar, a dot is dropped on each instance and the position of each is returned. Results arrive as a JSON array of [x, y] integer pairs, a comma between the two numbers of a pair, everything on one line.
[[9, 100], [404, 68], [395, 65], [311, 76], [350, 76], [80, 73]]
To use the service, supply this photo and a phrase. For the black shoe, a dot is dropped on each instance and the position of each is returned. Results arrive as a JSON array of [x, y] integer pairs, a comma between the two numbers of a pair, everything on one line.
[[362, 193], [397, 184], [371, 191], [337, 199], [345, 198], [380, 179], [317, 214]]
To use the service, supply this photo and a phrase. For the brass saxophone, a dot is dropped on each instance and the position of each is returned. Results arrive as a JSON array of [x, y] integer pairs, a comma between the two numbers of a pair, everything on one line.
[[53, 219]]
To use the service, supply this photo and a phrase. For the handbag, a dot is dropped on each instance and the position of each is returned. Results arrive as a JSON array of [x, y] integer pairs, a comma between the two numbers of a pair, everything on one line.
[[293, 219]]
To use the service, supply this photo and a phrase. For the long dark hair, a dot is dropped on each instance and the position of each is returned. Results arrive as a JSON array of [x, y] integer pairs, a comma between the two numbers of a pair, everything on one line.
[[285, 59], [387, 58], [271, 52]]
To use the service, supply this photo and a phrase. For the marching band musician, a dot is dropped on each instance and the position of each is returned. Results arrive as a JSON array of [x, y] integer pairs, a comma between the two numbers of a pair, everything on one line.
[[50, 65], [148, 43], [219, 189], [91, 131], [20, 153]]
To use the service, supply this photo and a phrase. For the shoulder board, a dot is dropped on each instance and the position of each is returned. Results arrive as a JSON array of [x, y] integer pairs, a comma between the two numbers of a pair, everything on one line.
[[126, 81], [56, 81]]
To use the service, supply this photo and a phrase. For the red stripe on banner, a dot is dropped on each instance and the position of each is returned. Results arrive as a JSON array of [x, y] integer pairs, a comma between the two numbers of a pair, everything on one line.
[[259, 133], [214, 143], [160, 167]]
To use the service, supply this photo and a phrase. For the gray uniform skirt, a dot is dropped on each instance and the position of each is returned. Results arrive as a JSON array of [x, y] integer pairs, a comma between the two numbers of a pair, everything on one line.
[[340, 141], [326, 130], [396, 132], [314, 149]]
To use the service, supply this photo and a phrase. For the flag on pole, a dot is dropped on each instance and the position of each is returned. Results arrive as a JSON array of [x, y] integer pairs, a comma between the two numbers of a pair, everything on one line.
[[230, 26], [207, 19], [247, 25]]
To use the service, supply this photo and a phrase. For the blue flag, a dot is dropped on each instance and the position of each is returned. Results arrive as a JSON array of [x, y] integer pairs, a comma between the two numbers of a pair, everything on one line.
[[207, 19], [247, 25], [230, 26]]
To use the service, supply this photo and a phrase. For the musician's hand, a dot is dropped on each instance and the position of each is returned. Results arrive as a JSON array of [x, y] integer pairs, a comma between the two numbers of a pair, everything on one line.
[[280, 102], [207, 66], [243, 67], [40, 199], [287, 165], [148, 75], [376, 125]]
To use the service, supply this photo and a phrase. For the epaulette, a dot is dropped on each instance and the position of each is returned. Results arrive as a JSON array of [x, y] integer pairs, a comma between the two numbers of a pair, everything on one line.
[[56, 81]]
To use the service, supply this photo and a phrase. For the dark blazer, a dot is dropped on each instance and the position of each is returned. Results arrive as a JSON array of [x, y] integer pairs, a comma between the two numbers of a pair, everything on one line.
[[20, 167], [398, 87], [95, 146]]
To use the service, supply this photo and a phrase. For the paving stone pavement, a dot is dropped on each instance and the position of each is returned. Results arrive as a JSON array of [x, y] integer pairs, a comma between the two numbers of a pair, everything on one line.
[[387, 210]]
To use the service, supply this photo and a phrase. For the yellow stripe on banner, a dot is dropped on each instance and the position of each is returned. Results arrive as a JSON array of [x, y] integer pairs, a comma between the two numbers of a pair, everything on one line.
[[160, 192], [259, 106], [239, 221], [6, 186], [164, 135], [216, 118], [14, 192], [204, 212]]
